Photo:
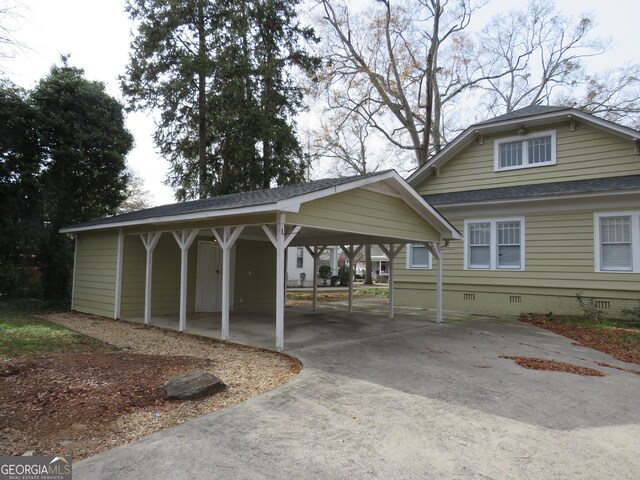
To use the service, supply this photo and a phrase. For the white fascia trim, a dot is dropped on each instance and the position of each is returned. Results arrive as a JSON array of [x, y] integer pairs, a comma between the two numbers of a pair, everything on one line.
[[457, 144], [177, 218]]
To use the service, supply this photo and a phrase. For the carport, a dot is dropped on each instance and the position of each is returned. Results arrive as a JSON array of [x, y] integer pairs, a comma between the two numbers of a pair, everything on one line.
[[138, 257]]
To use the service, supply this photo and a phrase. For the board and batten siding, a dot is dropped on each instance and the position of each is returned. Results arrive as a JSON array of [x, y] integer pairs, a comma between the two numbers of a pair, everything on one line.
[[366, 212], [586, 153], [559, 262], [95, 273]]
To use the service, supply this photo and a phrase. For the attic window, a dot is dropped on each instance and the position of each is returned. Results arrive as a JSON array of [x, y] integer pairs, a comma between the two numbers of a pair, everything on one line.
[[525, 151]]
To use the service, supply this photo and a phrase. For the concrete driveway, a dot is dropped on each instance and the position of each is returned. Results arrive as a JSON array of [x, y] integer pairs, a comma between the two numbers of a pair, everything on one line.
[[411, 399]]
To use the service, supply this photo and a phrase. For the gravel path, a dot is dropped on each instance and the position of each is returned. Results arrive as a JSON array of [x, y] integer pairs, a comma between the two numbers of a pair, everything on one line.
[[247, 371]]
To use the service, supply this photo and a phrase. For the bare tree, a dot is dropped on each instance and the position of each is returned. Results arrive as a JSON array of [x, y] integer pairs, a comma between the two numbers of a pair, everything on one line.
[[544, 53], [402, 65], [138, 197], [9, 17], [344, 139]]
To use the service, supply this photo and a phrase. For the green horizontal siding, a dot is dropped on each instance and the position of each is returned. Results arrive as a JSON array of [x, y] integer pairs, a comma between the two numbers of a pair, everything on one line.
[[586, 153], [559, 262], [95, 273], [165, 282], [365, 212]]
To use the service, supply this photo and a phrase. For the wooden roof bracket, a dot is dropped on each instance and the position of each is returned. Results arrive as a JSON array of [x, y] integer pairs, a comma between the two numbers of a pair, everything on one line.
[[572, 123]]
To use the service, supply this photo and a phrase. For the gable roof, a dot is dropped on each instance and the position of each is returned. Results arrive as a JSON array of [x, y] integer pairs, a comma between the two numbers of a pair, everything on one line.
[[533, 116], [287, 198], [540, 190], [253, 198], [525, 112]]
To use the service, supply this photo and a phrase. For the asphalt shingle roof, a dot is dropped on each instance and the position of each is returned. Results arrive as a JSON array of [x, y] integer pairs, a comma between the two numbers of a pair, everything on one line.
[[525, 112], [225, 202], [538, 190]]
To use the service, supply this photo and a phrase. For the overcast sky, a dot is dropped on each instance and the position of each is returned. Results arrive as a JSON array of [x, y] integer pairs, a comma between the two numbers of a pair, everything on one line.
[[97, 33]]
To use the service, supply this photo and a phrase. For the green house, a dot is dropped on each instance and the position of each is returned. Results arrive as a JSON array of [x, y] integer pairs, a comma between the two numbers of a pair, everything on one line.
[[548, 202]]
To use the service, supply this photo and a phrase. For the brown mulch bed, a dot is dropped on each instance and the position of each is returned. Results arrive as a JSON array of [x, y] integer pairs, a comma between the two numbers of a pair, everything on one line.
[[553, 366], [74, 397], [80, 404], [620, 343]]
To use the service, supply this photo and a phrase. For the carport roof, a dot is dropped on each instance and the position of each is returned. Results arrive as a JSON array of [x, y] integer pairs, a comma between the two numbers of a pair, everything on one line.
[[280, 199]]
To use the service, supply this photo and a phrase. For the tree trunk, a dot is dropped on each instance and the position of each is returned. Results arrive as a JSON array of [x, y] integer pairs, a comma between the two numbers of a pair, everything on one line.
[[202, 105], [368, 279]]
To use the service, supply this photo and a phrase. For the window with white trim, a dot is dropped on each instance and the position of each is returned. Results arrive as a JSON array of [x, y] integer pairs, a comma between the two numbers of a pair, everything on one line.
[[418, 256], [525, 151], [300, 257], [494, 244], [617, 236]]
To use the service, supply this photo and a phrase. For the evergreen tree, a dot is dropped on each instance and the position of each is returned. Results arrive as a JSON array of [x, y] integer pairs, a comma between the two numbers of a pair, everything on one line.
[[82, 133], [20, 200], [220, 76]]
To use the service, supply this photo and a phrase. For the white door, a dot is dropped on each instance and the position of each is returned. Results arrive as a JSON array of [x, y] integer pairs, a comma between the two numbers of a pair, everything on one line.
[[209, 277]]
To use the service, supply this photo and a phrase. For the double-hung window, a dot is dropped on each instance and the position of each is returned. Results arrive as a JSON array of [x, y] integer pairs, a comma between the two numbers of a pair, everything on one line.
[[300, 257], [494, 244], [617, 237], [525, 151], [418, 256]]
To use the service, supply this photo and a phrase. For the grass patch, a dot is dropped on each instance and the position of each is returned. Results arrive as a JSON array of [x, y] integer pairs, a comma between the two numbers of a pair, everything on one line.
[[609, 336], [301, 298], [22, 333]]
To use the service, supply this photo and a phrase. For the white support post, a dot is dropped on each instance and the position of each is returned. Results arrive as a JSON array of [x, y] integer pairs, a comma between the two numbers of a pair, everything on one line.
[[391, 254], [75, 261], [351, 255], [226, 242], [149, 240], [438, 249], [281, 241], [118, 300], [184, 238], [315, 253]]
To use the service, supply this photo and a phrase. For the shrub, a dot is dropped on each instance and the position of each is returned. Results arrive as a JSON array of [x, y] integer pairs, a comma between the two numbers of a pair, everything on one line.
[[633, 314], [589, 309], [20, 282], [343, 276], [324, 272]]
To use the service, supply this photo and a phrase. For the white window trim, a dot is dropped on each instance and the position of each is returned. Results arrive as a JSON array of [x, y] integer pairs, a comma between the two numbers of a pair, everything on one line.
[[635, 240], [525, 151], [493, 247], [410, 258]]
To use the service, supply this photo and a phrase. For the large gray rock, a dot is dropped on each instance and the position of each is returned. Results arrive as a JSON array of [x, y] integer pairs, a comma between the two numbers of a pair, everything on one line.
[[195, 384]]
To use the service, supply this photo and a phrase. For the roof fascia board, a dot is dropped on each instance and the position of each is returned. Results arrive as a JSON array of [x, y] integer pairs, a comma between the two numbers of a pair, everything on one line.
[[270, 207]]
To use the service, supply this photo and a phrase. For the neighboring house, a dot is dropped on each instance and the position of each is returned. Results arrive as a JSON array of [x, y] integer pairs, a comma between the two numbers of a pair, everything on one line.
[[379, 262], [300, 261], [548, 202]]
